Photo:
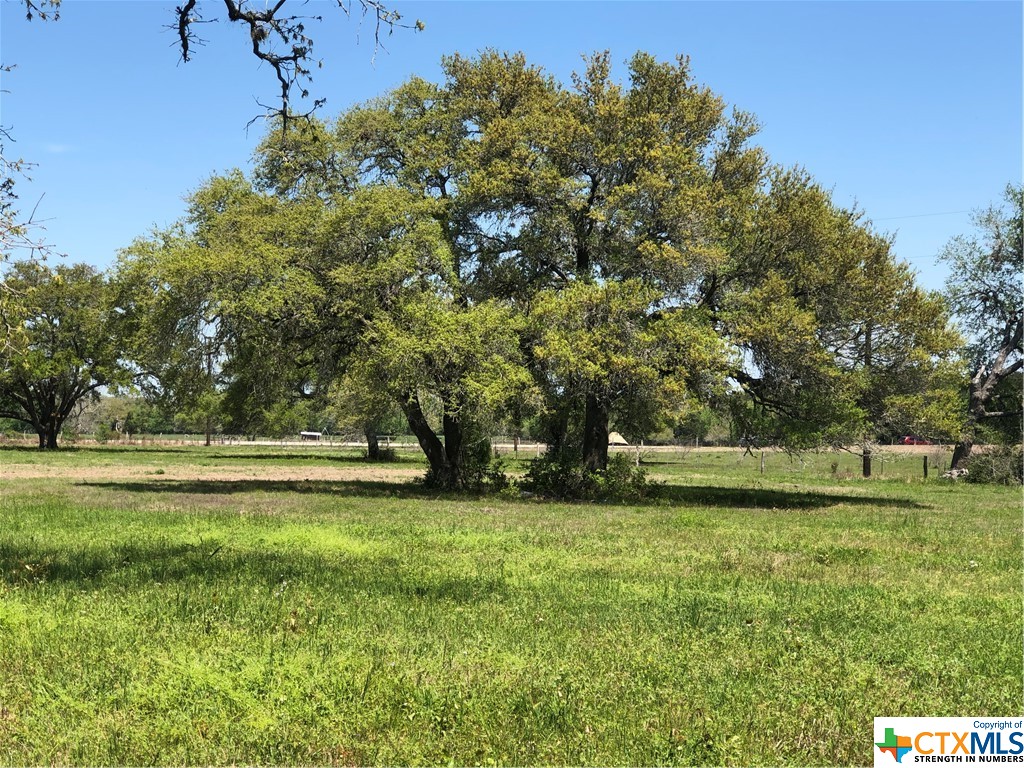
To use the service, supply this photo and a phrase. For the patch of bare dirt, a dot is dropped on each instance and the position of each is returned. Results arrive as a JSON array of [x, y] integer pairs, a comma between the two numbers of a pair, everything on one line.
[[226, 474]]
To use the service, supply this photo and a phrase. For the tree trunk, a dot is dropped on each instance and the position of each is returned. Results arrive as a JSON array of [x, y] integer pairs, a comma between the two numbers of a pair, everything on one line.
[[983, 386], [440, 470], [866, 455], [595, 435], [558, 432], [975, 411], [42, 439], [962, 451], [372, 446], [453, 438], [50, 431]]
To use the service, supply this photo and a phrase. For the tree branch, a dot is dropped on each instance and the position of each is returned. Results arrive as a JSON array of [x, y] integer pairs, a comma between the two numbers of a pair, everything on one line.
[[999, 414], [267, 29]]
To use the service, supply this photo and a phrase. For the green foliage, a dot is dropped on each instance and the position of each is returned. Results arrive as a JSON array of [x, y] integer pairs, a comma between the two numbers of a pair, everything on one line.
[[467, 357], [478, 473], [835, 327], [283, 420], [128, 414], [201, 415], [384, 456], [1007, 397], [223, 308], [520, 251], [986, 291], [694, 424], [62, 344], [561, 476], [986, 285], [102, 433], [149, 419], [610, 342], [998, 464]]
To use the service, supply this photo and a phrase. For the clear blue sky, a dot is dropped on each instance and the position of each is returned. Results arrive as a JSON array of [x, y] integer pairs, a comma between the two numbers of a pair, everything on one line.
[[911, 109]]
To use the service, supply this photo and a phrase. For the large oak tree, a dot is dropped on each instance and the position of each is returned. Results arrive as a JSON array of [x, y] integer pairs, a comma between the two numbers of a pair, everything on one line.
[[601, 254], [986, 291], [61, 346]]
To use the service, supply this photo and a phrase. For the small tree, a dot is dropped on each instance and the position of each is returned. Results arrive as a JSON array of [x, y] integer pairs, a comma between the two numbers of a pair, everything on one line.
[[605, 346], [284, 419], [356, 407], [468, 360], [61, 346], [984, 289]]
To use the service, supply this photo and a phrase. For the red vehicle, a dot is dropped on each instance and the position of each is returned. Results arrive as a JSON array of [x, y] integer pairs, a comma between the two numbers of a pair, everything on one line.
[[914, 440]]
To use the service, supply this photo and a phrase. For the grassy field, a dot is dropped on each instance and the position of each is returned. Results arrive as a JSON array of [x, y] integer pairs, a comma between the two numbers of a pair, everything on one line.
[[252, 605]]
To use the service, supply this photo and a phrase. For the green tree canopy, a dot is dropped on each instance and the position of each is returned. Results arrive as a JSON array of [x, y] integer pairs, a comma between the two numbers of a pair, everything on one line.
[[986, 291], [62, 345], [597, 255]]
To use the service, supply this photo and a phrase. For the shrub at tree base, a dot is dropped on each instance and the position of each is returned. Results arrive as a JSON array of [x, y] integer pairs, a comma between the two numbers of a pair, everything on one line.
[[1001, 465], [478, 472], [384, 455], [563, 477]]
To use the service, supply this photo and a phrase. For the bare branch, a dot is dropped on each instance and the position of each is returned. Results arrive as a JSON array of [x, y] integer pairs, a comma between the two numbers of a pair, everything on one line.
[[281, 42], [185, 22], [999, 414], [38, 8]]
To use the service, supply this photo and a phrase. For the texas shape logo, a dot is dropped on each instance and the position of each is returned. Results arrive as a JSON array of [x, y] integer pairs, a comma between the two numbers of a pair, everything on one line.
[[898, 746]]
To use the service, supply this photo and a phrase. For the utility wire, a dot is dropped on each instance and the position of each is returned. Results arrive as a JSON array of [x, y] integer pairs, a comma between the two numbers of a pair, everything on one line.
[[920, 215]]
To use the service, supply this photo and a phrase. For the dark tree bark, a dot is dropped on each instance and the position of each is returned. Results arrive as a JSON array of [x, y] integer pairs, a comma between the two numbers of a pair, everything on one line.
[[443, 473], [963, 449], [372, 446], [595, 434], [446, 459], [558, 431], [453, 439], [980, 394], [278, 39], [48, 431]]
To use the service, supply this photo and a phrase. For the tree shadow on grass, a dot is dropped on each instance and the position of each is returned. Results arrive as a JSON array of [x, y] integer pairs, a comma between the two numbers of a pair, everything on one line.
[[771, 499], [674, 495], [32, 450], [127, 565], [254, 454], [364, 488]]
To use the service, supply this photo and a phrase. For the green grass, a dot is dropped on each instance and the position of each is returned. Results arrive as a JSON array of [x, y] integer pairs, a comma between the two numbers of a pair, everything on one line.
[[737, 618], [184, 455]]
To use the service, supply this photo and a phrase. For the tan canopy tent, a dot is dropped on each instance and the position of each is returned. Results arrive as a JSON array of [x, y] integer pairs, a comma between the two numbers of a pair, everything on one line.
[[616, 439]]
